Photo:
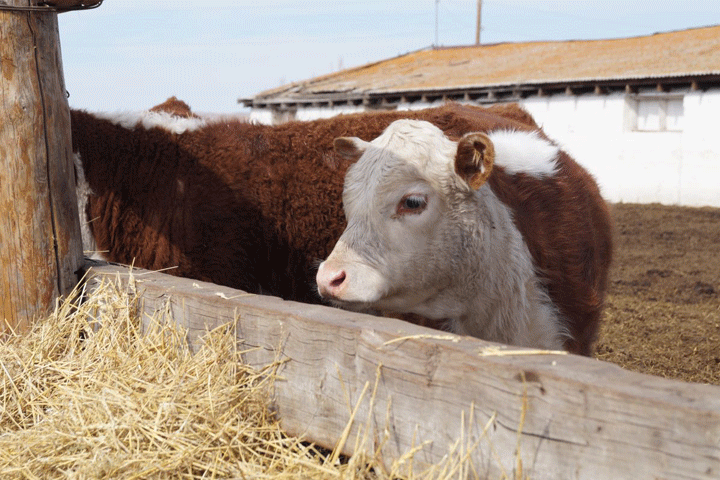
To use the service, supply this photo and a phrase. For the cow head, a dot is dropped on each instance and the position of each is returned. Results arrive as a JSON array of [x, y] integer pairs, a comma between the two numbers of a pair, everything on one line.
[[406, 198]]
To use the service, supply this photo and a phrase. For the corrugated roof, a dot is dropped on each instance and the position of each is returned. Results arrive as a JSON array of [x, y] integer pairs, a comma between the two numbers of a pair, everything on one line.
[[684, 53]]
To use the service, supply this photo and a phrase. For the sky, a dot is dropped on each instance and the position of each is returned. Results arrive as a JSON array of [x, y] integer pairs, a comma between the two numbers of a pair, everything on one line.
[[132, 55]]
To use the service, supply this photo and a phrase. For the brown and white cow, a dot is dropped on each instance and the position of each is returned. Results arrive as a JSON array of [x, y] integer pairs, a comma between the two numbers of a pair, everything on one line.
[[253, 207], [500, 235]]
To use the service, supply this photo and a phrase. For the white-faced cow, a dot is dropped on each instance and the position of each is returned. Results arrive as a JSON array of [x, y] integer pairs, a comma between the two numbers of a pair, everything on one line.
[[499, 235], [253, 207]]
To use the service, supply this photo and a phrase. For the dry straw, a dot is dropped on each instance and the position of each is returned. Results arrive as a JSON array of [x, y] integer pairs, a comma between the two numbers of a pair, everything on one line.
[[91, 393]]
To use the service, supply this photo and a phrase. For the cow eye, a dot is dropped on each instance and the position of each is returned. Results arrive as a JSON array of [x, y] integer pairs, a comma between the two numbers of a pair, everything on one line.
[[411, 204]]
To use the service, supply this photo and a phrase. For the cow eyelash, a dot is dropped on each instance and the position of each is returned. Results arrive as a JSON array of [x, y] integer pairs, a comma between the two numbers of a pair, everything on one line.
[[412, 203]]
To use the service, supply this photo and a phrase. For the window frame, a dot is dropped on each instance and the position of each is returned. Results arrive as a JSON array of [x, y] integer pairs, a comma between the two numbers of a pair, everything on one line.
[[663, 100]]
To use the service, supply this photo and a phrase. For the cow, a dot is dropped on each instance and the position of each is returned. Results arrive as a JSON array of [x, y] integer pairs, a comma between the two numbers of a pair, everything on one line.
[[249, 206], [497, 234], [175, 107]]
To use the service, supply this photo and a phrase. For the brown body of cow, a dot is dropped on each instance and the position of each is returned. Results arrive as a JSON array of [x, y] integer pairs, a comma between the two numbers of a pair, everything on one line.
[[257, 207]]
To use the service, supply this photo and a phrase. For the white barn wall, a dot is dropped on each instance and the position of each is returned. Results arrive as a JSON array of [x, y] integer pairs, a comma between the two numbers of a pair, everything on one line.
[[265, 115], [404, 106], [679, 168], [700, 179], [261, 115], [313, 113]]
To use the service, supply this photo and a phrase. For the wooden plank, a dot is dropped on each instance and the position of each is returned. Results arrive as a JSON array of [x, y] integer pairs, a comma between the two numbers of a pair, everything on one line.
[[566, 416], [40, 242]]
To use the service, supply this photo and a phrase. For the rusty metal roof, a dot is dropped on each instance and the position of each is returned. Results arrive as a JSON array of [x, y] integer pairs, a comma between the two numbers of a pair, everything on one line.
[[685, 53]]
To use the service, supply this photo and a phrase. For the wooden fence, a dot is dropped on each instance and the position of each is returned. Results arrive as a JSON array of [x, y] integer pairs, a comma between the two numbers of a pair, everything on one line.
[[545, 415]]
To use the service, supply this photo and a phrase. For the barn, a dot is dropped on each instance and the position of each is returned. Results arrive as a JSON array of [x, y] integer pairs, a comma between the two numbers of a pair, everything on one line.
[[636, 112], [103, 387]]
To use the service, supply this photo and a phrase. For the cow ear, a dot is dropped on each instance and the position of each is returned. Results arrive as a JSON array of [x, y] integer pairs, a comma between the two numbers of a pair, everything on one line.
[[349, 148], [474, 159]]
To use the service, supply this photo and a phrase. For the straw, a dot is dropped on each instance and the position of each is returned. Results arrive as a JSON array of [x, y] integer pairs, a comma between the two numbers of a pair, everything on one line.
[[92, 393]]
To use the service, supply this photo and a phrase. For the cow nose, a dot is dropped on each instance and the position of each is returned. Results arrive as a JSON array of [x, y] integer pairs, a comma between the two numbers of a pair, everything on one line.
[[330, 281]]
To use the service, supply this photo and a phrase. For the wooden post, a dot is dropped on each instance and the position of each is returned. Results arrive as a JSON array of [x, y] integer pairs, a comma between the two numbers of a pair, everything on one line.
[[40, 243]]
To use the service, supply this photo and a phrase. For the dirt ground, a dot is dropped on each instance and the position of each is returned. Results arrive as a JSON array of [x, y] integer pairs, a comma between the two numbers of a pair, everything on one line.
[[662, 315]]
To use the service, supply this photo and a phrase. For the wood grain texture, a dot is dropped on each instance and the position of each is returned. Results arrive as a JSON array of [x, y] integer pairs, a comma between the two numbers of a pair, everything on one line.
[[583, 418], [40, 243]]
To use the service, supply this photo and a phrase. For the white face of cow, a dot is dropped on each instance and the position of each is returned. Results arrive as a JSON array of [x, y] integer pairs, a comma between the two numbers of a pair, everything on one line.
[[404, 200]]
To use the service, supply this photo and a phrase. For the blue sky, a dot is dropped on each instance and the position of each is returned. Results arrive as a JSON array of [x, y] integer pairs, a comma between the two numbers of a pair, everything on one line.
[[131, 55]]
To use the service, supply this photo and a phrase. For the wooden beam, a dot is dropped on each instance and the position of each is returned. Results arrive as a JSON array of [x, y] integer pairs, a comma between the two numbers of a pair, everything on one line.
[[551, 415], [40, 242]]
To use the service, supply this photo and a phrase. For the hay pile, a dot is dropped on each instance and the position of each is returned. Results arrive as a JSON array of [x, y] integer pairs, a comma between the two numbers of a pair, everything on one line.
[[86, 394]]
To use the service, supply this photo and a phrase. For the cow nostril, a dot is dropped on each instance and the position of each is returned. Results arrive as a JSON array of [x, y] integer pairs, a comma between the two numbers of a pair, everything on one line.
[[338, 280]]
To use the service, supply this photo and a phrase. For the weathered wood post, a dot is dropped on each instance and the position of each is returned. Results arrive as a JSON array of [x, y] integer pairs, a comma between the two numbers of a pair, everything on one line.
[[40, 243]]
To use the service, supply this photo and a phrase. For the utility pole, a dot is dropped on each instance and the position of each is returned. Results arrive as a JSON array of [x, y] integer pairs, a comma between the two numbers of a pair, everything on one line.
[[478, 23], [437, 2]]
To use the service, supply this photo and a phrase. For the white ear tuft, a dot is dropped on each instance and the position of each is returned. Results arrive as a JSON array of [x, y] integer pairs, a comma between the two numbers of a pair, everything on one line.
[[525, 152]]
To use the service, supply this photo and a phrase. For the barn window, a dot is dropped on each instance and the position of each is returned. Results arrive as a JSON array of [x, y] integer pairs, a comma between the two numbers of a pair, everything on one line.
[[282, 115], [674, 115], [657, 114]]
